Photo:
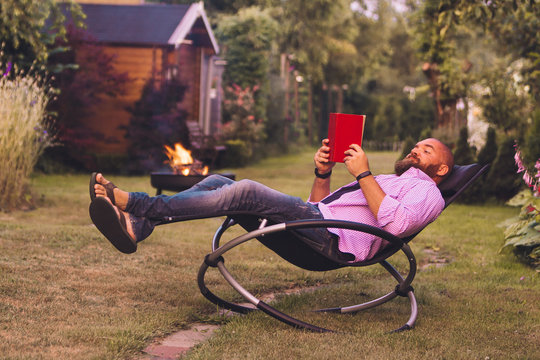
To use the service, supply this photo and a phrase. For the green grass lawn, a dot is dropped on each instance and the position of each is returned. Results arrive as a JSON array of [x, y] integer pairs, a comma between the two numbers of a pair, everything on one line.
[[66, 293]]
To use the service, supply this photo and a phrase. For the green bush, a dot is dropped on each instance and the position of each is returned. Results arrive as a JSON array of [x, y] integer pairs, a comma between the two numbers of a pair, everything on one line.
[[463, 154], [502, 180], [488, 153], [238, 153], [522, 233], [407, 147], [24, 134], [531, 148]]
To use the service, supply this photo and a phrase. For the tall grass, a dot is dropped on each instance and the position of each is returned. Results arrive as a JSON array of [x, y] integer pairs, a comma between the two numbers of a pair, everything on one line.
[[24, 133]]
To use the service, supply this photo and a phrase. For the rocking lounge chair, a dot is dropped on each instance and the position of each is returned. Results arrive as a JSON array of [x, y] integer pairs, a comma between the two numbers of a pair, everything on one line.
[[296, 249]]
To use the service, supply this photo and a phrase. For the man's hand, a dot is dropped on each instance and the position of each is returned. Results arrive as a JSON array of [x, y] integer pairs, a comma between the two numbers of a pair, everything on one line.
[[321, 158], [356, 160]]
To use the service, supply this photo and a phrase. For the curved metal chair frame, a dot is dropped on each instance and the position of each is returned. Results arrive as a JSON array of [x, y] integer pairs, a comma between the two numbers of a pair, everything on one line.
[[215, 259], [461, 178]]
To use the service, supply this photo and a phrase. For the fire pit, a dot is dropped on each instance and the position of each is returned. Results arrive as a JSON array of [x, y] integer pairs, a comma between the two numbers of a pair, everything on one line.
[[185, 172]]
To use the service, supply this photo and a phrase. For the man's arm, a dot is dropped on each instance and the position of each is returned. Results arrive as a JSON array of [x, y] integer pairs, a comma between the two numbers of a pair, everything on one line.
[[321, 187], [356, 162]]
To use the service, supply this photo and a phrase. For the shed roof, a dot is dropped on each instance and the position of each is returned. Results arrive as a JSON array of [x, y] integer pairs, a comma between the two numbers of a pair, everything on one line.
[[147, 24]]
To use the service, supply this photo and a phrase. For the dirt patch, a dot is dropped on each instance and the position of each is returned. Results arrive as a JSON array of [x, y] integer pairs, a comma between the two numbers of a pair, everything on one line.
[[433, 259]]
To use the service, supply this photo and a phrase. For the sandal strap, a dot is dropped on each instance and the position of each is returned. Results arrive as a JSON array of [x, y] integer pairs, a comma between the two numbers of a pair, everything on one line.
[[109, 188], [123, 223]]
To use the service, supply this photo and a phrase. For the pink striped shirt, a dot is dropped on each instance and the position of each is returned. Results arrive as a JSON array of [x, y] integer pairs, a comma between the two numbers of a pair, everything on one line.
[[412, 201]]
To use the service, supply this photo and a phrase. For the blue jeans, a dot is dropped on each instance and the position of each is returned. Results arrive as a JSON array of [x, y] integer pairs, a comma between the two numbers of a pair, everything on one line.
[[220, 196]]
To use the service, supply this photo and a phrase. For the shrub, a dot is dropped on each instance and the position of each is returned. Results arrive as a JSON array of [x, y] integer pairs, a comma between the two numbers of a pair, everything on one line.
[[463, 154], [479, 191], [155, 121], [502, 181], [82, 88], [24, 134], [242, 124], [489, 152], [522, 233], [238, 153], [407, 147]]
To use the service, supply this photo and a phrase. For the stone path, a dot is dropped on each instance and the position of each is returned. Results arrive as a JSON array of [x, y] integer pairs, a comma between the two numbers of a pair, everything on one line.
[[177, 344]]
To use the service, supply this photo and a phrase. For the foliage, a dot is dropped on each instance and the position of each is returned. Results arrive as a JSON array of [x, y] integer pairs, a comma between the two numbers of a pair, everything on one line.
[[25, 132], [386, 88], [444, 25], [81, 90], [488, 153], [505, 103], [463, 154], [407, 147], [243, 131], [522, 233], [531, 147], [502, 181], [516, 26], [248, 36], [29, 28], [155, 121]]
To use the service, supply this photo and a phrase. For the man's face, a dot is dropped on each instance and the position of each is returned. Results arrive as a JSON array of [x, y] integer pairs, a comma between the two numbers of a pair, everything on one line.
[[426, 156]]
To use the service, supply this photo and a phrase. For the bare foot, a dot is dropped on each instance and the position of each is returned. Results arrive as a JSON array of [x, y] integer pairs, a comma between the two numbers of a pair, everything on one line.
[[120, 196]]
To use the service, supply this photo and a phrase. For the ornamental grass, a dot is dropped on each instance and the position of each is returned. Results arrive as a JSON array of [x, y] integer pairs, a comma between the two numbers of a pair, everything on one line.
[[24, 133]]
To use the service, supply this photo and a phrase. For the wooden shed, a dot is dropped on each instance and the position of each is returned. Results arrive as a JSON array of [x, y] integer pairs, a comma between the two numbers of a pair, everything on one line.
[[154, 42]]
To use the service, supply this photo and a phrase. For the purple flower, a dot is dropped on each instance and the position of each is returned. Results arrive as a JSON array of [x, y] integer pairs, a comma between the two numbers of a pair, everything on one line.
[[9, 66]]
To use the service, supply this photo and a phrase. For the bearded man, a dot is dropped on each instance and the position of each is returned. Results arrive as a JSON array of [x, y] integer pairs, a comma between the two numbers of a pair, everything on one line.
[[400, 203]]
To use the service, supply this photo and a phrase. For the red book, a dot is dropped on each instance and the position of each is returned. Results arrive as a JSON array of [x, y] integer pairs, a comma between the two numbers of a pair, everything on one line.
[[344, 130]]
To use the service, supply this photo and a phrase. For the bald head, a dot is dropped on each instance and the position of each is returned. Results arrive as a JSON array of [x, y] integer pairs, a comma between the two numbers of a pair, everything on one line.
[[432, 157]]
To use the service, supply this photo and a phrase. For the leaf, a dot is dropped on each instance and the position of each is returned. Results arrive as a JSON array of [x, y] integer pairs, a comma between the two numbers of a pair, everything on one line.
[[531, 238], [521, 198], [516, 229]]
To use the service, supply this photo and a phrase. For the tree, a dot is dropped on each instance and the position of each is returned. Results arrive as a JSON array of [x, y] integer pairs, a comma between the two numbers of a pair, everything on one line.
[[80, 90], [29, 29], [446, 71], [317, 41], [487, 154], [247, 39], [463, 154], [503, 182], [504, 103]]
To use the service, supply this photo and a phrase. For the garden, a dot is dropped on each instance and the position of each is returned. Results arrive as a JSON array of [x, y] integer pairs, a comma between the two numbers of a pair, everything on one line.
[[464, 72]]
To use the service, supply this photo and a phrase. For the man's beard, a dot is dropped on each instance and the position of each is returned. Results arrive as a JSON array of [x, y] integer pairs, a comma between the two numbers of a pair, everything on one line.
[[403, 165]]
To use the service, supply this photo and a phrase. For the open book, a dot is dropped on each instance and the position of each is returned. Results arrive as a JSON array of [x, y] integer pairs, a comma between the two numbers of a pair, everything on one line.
[[344, 130]]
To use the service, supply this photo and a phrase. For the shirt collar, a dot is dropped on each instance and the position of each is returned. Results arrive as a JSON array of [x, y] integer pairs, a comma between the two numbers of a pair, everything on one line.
[[417, 173]]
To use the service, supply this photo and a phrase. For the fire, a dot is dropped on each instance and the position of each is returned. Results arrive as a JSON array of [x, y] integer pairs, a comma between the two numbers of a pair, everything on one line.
[[181, 162]]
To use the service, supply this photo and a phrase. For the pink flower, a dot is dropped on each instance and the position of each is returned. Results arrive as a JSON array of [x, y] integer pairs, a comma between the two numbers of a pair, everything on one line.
[[528, 179], [519, 162]]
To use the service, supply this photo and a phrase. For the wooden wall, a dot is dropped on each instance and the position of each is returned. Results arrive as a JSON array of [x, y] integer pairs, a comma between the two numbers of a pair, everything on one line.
[[189, 73], [140, 64], [143, 64]]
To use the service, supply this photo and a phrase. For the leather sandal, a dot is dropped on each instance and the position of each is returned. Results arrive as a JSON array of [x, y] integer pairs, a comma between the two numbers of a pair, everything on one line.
[[109, 188], [113, 227]]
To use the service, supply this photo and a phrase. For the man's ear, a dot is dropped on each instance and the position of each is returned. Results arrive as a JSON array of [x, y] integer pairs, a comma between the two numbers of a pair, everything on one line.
[[443, 170]]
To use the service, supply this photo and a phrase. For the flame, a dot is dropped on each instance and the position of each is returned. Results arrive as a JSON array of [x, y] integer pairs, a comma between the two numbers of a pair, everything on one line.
[[180, 161]]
